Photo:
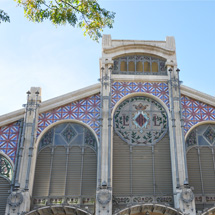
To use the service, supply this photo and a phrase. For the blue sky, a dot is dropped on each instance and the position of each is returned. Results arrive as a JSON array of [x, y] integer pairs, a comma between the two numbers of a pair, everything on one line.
[[61, 60]]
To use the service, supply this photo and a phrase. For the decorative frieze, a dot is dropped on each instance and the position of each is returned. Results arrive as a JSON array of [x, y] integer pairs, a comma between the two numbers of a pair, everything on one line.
[[143, 199]]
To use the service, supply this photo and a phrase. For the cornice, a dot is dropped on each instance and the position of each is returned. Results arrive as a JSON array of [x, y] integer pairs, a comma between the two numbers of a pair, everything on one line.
[[195, 94], [145, 78], [135, 47]]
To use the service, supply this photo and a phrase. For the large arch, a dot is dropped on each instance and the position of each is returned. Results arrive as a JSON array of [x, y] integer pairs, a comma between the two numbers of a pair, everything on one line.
[[66, 167], [200, 149], [132, 162], [149, 209], [58, 210], [210, 211], [141, 94]]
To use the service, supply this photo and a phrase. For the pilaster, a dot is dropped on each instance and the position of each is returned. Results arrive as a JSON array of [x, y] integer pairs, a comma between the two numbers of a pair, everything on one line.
[[184, 197], [19, 199], [104, 188]]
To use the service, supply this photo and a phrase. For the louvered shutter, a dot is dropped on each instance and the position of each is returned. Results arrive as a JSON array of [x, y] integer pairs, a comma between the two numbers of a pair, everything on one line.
[[4, 188], [58, 177], [89, 173], [142, 174], [194, 170], [208, 173], [74, 172], [121, 167], [42, 173], [163, 173]]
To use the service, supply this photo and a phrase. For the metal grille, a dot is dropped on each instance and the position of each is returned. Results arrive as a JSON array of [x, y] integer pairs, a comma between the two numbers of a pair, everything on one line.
[[139, 65], [66, 167]]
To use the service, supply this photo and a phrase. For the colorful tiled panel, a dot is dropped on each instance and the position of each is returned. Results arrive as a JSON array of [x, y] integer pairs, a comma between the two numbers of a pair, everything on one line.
[[195, 111], [9, 136], [85, 110], [121, 89]]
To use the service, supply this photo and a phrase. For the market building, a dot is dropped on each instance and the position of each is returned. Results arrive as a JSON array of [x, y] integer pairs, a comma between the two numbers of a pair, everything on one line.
[[138, 142]]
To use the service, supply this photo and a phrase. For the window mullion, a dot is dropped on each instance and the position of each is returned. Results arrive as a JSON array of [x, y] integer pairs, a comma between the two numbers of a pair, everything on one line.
[[200, 168], [131, 170], [67, 161], [153, 170]]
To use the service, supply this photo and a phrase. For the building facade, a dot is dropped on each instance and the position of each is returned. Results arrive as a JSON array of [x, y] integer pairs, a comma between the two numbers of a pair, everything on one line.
[[139, 142]]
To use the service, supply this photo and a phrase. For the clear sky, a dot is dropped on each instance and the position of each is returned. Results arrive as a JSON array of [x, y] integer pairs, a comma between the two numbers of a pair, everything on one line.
[[61, 60]]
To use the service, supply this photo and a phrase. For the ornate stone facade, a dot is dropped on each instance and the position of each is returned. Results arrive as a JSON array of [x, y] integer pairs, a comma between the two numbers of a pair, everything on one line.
[[138, 142]]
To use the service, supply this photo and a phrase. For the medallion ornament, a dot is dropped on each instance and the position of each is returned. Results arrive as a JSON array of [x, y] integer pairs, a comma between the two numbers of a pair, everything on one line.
[[104, 196], [140, 120]]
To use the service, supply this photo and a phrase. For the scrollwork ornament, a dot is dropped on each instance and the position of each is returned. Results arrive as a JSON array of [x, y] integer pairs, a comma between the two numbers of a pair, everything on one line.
[[15, 199], [187, 195], [104, 196]]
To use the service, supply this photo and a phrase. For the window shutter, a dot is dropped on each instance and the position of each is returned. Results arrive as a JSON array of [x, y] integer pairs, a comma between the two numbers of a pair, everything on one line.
[[4, 188], [42, 173]]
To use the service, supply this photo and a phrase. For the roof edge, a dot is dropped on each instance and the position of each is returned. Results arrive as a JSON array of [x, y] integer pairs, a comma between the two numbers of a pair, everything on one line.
[[200, 96], [52, 103]]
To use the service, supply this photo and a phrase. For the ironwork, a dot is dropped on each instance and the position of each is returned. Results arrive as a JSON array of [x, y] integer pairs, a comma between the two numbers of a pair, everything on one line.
[[140, 121], [68, 134], [5, 168], [139, 59], [202, 136]]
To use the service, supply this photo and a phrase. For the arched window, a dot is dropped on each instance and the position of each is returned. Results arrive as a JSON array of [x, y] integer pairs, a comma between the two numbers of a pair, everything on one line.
[[131, 66], [141, 152], [147, 66], [154, 67], [66, 167], [200, 145], [139, 66], [6, 172], [123, 66]]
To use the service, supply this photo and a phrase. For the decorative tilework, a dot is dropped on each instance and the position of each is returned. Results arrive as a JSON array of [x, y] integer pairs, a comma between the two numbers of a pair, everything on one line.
[[121, 89], [86, 110], [9, 136], [195, 111]]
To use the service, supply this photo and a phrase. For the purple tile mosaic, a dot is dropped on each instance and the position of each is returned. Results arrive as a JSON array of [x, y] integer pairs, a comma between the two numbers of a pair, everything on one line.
[[9, 136], [86, 110], [195, 111], [121, 89]]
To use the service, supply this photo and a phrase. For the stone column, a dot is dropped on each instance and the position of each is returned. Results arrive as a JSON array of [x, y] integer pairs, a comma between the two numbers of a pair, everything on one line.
[[184, 198], [19, 199], [104, 189]]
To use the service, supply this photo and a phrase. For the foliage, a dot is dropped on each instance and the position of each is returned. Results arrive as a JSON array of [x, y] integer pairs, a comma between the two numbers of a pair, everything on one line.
[[4, 17], [86, 14]]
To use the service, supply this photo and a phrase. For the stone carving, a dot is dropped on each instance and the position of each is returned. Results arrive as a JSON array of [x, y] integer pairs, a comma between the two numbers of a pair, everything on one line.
[[187, 195], [15, 199], [104, 196]]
